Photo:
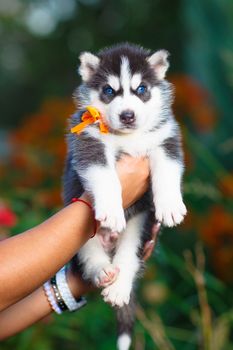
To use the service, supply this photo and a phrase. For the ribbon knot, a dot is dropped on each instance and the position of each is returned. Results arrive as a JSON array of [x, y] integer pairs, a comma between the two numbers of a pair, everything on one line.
[[90, 116]]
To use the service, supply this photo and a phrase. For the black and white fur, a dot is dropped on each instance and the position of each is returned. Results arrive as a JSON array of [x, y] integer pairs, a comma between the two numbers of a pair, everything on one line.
[[141, 123]]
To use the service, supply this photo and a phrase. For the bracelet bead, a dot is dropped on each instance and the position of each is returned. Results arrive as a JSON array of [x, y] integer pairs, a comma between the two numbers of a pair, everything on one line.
[[51, 298]]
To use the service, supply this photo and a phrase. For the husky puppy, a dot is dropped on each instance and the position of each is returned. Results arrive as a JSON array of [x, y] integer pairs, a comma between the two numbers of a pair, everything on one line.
[[126, 83]]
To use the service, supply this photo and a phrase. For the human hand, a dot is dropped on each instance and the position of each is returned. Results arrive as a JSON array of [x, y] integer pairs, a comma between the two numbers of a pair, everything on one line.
[[78, 286], [149, 245], [134, 177]]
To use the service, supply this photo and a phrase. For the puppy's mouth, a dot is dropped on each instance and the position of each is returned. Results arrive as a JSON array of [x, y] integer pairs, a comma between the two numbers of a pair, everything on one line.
[[128, 127], [124, 129]]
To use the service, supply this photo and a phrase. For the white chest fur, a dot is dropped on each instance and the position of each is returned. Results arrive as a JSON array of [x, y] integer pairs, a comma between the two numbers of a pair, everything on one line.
[[138, 143]]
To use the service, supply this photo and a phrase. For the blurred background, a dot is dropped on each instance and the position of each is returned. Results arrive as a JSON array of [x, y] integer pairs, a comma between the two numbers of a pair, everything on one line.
[[186, 295]]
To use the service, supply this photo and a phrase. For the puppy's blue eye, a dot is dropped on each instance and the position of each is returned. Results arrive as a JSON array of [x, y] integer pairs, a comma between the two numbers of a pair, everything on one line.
[[141, 89], [107, 90]]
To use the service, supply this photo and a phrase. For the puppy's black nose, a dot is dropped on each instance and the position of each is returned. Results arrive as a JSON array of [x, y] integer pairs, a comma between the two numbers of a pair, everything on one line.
[[127, 117]]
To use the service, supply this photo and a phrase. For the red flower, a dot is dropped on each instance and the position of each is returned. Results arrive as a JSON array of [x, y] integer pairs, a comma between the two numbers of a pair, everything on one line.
[[7, 217]]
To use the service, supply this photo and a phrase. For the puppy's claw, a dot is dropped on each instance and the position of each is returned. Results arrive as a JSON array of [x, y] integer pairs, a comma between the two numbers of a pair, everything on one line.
[[170, 211]]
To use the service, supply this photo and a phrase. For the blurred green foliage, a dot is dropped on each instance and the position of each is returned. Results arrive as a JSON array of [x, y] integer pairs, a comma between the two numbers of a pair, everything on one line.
[[186, 293]]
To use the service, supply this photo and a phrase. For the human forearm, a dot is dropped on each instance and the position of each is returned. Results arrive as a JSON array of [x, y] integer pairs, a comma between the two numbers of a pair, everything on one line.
[[34, 256], [24, 313], [34, 307]]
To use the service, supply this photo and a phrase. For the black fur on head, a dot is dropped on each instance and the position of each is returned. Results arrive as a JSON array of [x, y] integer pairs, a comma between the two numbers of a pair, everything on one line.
[[94, 69]]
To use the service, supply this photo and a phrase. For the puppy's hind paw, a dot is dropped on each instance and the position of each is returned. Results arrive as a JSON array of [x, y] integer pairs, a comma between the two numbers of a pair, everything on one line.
[[106, 276], [117, 294]]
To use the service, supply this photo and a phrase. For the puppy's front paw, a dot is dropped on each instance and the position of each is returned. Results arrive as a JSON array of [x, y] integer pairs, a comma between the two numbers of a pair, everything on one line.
[[111, 215], [117, 294], [170, 210]]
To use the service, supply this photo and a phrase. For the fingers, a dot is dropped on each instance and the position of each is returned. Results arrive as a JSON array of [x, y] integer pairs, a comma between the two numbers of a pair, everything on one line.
[[148, 249], [155, 231], [149, 246]]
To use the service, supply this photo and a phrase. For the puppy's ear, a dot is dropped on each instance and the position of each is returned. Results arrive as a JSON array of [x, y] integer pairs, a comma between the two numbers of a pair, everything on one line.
[[159, 63], [88, 66]]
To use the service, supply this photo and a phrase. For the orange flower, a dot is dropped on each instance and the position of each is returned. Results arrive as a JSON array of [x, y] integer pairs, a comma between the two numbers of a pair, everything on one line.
[[222, 261], [189, 221], [189, 93], [217, 228], [2, 171], [217, 233], [49, 198], [226, 185], [39, 145], [192, 100], [49, 121], [204, 116]]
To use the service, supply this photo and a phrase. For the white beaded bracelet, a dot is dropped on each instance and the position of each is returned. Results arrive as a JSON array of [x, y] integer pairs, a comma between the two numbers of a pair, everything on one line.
[[51, 298], [62, 285]]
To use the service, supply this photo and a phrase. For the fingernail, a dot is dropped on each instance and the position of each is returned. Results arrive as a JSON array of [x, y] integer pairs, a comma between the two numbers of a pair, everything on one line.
[[151, 242]]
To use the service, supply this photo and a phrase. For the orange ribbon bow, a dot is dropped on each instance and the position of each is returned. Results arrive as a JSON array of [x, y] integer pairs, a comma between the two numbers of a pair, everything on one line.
[[91, 116]]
